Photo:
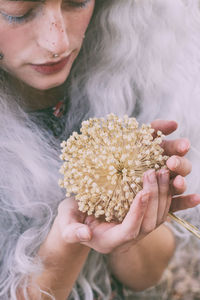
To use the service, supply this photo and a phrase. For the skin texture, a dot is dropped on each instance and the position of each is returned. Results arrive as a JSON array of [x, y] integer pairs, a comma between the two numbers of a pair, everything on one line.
[[53, 27], [73, 234], [58, 28], [133, 266]]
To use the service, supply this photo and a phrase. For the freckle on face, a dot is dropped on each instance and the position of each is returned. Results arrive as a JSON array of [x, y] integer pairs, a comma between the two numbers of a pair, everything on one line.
[[33, 46]]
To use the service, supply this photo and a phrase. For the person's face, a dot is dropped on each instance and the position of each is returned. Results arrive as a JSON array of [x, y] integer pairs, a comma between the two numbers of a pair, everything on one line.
[[31, 31]]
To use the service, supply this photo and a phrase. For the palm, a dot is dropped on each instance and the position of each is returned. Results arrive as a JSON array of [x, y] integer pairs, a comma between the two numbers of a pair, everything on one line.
[[98, 226], [102, 233]]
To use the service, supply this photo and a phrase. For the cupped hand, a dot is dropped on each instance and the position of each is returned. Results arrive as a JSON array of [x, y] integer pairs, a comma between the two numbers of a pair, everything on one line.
[[148, 210], [178, 165]]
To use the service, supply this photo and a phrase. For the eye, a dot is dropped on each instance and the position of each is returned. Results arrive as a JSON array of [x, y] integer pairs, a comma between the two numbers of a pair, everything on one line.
[[77, 3], [17, 19]]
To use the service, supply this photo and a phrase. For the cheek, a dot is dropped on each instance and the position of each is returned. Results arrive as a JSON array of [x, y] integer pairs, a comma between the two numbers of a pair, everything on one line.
[[77, 24], [12, 41], [84, 21], [18, 44]]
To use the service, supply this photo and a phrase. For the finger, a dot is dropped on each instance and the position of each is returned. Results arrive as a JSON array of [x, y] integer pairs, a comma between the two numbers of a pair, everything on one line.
[[133, 220], [69, 207], [179, 165], [130, 227], [169, 201], [178, 185], [176, 147], [163, 186], [70, 223], [166, 127], [76, 233], [150, 217], [184, 202]]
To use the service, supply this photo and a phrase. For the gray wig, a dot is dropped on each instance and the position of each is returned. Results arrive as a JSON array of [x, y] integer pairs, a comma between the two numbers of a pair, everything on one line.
[[140, 57]]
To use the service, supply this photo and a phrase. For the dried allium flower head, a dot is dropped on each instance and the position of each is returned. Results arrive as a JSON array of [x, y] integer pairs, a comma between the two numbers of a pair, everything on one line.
[[104, 164]]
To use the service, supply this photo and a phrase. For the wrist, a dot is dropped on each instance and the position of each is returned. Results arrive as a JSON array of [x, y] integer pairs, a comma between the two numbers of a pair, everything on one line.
[[62, 263], [60, 271]]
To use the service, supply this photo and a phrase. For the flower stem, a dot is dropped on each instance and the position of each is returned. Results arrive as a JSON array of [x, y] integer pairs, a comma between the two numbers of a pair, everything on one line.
[[194, 230]]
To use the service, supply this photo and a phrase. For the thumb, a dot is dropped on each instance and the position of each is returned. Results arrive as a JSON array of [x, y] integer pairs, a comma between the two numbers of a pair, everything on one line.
[[76, 233]]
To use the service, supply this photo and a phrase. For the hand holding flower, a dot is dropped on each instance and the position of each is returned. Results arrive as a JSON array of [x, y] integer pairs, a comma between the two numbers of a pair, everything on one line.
[[178, 165]]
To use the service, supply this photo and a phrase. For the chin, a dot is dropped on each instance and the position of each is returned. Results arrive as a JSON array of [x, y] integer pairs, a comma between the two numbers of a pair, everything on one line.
[[47, 84]]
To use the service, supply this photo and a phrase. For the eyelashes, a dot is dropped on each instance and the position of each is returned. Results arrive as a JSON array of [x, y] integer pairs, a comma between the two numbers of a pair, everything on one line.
[[14, 19], [78, 4], [29, 14]]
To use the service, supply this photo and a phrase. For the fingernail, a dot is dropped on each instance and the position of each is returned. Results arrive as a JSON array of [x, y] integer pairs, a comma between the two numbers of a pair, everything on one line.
[[196, 198], [173, 163], [164, 176], [83, 234], [180, 180], [184, 146], [151, 176], [176, 162]]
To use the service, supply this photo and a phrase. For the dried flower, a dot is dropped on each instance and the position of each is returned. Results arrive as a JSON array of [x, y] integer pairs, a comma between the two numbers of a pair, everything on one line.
[[104, 165]]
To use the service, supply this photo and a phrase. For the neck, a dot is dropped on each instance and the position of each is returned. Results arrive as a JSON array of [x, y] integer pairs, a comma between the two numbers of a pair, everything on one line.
[[31, 99]]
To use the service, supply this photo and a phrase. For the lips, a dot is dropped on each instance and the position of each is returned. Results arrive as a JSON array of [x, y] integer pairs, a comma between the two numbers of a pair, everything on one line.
[[51, 68]]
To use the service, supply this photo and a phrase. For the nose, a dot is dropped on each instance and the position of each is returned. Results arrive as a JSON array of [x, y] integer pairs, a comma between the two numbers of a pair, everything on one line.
[[52, 35]]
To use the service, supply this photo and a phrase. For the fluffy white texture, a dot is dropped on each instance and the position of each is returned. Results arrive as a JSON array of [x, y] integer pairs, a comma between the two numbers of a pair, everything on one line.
[[154, 65], [140, 57]]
